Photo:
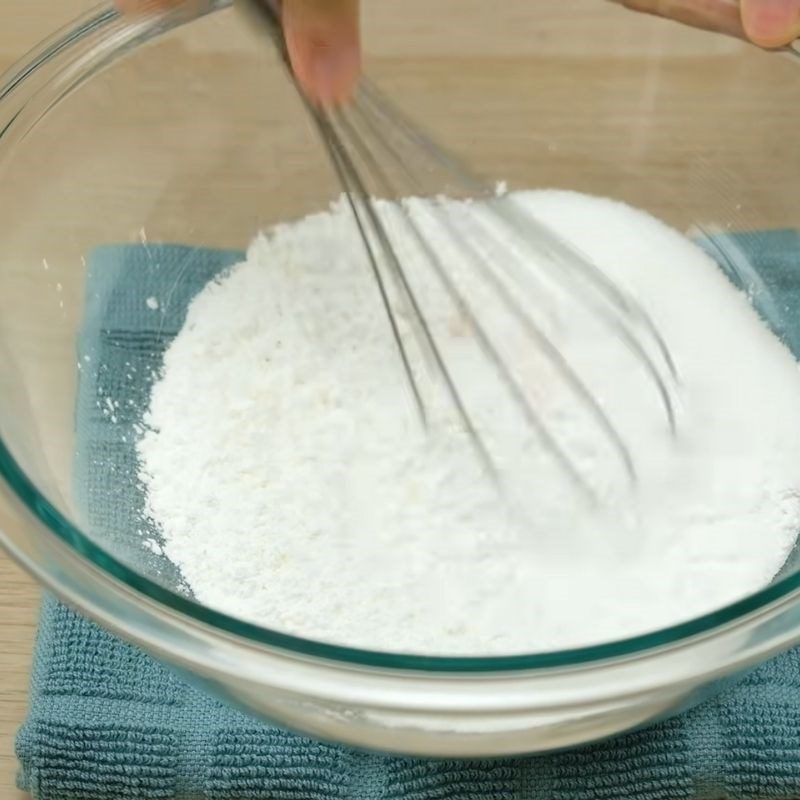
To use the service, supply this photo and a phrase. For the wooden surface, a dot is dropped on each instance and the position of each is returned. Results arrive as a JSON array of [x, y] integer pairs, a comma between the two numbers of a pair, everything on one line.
[[18, 603], [412, 50], [22, 25]]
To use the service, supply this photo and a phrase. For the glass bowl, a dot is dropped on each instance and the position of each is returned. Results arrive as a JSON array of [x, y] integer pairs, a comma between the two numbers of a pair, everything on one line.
[[156, 130]]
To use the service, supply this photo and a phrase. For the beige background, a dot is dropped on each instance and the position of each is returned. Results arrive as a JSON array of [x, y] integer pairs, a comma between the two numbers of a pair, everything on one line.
[[416, 32], [22, 24]]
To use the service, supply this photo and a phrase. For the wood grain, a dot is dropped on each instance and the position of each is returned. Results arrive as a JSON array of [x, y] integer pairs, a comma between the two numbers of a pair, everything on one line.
[[23, 23], [528, 53], [18, 605]]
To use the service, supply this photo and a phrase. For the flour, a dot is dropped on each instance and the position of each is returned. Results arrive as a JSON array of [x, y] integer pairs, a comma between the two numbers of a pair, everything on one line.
[[294, 487]]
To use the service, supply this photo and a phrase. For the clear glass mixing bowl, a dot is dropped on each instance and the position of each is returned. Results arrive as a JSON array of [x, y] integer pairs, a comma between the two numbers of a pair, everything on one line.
[[153, 130]]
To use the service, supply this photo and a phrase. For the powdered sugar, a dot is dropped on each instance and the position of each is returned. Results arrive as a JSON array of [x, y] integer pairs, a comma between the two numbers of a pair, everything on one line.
[[294, 487]]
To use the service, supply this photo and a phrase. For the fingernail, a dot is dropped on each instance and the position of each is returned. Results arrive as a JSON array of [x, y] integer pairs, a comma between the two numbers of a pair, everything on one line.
[[333, 73], [771, 23]]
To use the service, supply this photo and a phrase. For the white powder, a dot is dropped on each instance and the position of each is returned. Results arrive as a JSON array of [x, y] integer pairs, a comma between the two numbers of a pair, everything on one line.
[[294, 487]]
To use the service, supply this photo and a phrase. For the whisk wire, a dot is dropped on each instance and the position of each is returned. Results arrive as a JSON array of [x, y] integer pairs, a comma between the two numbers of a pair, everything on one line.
[[351, 178], [464, 308], [526, 320], [565, 253], [357, 199], [371, 130], [619, 310]]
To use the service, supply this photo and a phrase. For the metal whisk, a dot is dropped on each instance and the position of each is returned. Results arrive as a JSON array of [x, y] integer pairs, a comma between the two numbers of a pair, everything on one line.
[[373, 146]]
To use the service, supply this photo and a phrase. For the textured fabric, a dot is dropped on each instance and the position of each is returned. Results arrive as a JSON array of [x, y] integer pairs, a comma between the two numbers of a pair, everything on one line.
[[106, 722]]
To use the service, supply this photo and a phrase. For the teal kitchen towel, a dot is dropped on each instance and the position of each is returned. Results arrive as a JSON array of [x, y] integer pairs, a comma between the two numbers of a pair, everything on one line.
[[106, 722]]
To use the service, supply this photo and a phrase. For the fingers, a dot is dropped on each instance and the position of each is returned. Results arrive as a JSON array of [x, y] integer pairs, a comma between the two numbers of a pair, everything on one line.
[[324, 47], [722, 16], [768, 23], [771, 23], [323, 41]]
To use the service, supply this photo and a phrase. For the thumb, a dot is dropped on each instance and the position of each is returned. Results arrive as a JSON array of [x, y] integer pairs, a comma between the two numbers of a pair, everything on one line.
[[323, 41], [771, 23]]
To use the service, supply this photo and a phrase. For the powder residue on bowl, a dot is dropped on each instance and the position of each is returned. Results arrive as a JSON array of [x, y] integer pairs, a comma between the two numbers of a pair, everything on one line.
[[293, 486]]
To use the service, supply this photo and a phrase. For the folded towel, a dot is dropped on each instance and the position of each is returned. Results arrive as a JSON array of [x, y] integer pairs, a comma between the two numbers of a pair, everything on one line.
[[107, 722]]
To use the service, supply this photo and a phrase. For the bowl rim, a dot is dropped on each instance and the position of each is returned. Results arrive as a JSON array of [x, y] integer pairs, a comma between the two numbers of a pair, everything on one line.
[[104, 20]]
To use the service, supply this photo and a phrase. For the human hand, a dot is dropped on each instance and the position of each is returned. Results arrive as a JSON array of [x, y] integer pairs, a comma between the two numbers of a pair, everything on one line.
[[322, 37], [767, 23]]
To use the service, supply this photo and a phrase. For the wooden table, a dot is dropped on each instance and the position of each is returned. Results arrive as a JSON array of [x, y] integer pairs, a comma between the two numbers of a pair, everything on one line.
[[22, 24], [417, 34]]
